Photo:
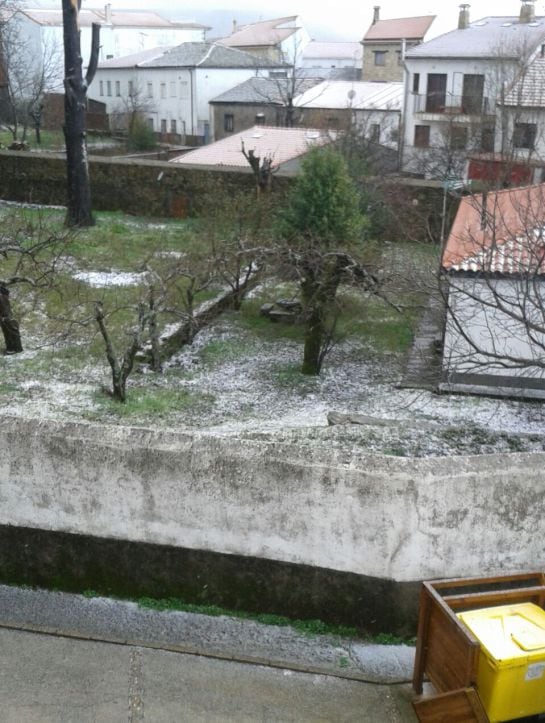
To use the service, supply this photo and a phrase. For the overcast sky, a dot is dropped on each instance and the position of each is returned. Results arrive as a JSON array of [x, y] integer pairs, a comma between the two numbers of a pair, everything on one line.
[[350, 18]]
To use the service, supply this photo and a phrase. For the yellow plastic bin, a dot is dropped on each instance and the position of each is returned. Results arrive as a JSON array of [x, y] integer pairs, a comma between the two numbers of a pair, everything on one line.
[[511, 670]]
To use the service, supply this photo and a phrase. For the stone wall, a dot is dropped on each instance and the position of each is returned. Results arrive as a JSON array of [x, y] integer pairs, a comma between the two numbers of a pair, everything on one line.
[[373, 525], [153, 188]]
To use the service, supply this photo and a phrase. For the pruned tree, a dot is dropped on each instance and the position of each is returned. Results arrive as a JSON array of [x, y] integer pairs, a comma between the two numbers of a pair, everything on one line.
[[30, 257], [322, 226], [79, 207], [121, 367], [262, 168]]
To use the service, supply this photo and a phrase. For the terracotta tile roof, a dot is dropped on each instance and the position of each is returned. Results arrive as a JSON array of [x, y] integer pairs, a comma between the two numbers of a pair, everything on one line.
[[267, 33], [283, 144], [119, 19], [512, 240], [400, 28]]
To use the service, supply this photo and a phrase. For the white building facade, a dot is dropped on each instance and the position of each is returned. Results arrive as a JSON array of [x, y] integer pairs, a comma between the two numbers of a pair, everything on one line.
[[452, 84], [173, 88]]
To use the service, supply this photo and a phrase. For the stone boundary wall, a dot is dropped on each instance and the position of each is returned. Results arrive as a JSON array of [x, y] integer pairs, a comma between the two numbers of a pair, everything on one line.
[[141, 187], [386, 518]]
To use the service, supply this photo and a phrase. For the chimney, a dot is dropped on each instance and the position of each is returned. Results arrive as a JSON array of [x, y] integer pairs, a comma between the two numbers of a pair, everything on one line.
[[463, 18], [235, 27], [376, 14], [108, 14], [527, 11]]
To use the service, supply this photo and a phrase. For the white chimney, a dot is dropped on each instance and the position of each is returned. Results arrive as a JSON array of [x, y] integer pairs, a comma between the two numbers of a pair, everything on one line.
[[108, 14], [376, 14], [527, 11], [463, 18], [235, 27]]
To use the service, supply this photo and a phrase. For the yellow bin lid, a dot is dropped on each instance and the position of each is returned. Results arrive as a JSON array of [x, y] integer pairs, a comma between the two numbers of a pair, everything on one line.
[[509, 634]]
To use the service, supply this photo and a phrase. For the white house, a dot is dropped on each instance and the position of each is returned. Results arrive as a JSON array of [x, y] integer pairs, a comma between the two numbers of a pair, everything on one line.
[[494, 271], [172, 87], [329, 58], [452, 84], [375, 108], [519, 155], [121, 31]]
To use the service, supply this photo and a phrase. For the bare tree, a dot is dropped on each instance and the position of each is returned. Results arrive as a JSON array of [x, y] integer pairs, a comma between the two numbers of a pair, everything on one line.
[[30, 256], [79, 208], [28, 75]]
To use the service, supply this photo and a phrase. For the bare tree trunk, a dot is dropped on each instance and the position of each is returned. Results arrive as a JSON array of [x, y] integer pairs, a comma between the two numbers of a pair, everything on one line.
[[9, 326], [79, 208]]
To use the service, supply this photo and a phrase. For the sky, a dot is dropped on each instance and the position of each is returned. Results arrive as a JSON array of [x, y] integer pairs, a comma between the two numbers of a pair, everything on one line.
[[349, 21]]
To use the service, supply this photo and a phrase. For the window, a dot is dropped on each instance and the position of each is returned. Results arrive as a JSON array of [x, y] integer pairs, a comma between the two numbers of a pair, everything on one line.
[[118, 88], [150, 123], [163, 125], [380, 57], [487, 139], [458, 138], [101, 87], [172, 89], [416, 82], [374, 133], [278, 73], [109, 87], [163, 90], [421, 136], [525, 135], [437, 93], [150, 90], [229, 122], [173, 128], [260, 119], [131, 88]]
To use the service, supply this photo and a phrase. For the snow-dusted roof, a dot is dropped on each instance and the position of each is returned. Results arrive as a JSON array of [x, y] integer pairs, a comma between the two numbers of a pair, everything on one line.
[[491, 37], [266, 33], [364, 95], [400, 28], [190, 55], [528, 91], [117, 19], [283, 144], [265, 90], [341, 51], [502, 232]]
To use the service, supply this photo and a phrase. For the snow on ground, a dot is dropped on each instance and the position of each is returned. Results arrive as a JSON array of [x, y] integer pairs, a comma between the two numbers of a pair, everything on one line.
[[102, 279]]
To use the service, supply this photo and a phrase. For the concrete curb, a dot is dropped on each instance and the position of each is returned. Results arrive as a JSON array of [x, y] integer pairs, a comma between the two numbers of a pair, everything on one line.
[[124, 623]]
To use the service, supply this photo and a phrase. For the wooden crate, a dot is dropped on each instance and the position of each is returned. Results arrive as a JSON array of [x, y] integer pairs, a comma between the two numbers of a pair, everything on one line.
[[448, 653]]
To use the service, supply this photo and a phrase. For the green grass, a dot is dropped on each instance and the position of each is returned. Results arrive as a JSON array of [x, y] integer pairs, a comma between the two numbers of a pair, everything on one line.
[[150, 402], [50, 140]]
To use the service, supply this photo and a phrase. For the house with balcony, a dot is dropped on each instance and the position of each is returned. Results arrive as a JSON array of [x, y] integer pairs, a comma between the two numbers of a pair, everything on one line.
[[452, 86]]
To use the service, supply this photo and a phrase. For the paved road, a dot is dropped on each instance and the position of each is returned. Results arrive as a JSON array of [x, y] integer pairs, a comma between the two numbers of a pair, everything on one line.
[[47, 678]]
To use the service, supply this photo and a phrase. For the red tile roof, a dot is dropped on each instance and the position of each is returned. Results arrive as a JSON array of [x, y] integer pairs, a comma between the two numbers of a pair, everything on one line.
[[400, 28], [500, 232]]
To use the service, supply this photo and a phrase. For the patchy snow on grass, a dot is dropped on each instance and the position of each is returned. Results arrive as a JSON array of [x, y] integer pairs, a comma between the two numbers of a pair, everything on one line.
[[102, 279]]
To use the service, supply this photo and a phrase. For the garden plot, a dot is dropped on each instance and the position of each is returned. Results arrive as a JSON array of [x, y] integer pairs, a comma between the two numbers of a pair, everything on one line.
[[241, 374]]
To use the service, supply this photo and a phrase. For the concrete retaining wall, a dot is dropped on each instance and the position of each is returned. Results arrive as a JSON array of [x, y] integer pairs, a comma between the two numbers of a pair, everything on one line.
[[390, 518]]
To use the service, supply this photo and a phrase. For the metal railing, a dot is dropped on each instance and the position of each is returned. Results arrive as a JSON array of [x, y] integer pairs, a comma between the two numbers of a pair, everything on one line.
[[448, 104]]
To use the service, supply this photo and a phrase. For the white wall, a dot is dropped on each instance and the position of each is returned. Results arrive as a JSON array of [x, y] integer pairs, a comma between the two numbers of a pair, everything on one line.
[[386, 517], [478, 327]]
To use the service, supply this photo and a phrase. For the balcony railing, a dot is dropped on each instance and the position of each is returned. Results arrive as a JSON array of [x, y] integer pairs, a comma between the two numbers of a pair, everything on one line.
[[448, 104]]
